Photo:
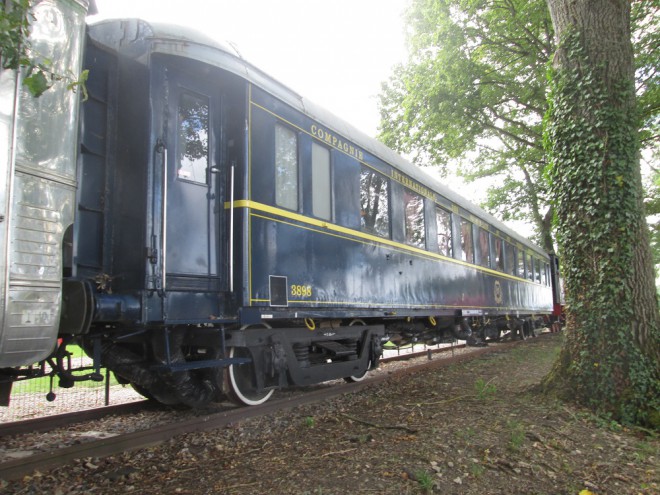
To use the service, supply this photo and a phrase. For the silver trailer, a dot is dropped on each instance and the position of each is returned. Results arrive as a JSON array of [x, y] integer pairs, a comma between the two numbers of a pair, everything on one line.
[[38, 186]]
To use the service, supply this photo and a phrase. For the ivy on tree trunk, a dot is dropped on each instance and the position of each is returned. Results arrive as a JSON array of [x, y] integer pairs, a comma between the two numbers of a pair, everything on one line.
[[609, 361]]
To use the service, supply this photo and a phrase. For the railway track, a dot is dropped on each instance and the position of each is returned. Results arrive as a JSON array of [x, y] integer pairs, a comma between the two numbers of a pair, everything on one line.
[[53, 422], [193, 421]]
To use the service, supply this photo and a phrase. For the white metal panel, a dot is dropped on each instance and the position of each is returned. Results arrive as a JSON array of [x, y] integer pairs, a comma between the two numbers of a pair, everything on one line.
[[37, 193]]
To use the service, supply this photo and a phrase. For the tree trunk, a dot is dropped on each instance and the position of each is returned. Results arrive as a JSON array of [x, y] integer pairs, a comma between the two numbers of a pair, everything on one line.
[[611, 352]]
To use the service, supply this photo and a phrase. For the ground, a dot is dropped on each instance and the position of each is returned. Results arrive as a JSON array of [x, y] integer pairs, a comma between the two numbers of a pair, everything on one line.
[[476, 428]]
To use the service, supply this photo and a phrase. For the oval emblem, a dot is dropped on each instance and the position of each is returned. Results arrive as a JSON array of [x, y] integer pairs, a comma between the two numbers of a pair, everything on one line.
[[498, 292]]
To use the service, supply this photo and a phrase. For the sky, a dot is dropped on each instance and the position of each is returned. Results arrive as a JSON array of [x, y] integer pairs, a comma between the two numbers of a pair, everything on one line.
[[336, 53]]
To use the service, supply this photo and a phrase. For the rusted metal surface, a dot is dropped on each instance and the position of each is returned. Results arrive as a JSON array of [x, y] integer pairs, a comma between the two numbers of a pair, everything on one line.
[[47, 423]]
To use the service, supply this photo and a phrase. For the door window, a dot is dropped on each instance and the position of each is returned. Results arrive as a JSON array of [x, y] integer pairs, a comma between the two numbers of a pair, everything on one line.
[[193, 151]]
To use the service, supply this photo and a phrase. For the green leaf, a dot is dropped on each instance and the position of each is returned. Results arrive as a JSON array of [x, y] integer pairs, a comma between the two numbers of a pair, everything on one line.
[[36, 83]]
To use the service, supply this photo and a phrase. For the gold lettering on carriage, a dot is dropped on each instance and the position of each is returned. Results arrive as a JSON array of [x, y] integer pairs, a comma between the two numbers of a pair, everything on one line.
[[336, 142], [411, 184]]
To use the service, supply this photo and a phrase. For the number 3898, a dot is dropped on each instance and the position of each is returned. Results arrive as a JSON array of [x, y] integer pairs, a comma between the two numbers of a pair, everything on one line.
[[301, 290]]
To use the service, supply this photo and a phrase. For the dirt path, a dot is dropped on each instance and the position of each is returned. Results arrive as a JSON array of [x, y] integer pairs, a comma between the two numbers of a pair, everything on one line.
[[475, 428]]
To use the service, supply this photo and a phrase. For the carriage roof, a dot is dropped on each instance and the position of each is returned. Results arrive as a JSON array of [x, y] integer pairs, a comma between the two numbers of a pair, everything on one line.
[[138, 38]]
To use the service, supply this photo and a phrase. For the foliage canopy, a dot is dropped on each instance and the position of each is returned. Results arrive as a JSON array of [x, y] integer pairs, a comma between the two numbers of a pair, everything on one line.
[[474, 93], [474, 90]]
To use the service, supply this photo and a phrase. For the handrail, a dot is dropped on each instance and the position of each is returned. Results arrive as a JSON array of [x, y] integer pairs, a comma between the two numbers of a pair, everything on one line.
[[231, 229], [163, 236]]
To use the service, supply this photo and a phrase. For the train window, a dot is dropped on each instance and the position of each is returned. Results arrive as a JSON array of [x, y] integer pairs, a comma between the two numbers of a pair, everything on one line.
[[498, 246], [521, 262], [544, 273], [193, 152], [321, 189], [549, 270], [443, 222], [413, 206], [529, 265], [286, 167], [483, 247], [374, 203], [510, 259], [537, 270], [467, 245]]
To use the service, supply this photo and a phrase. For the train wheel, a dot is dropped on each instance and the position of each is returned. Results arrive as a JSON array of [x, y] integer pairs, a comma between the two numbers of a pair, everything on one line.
[[360, 376], [163, 396], [240, 383], [493, 334], [524, 330], [535, 330], [143, 392]]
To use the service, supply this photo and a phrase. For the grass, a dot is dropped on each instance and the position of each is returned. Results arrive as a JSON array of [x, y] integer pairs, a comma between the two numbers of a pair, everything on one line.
[[644, 450], [42, 385], [517, 435], [477, 470], [467, 433], [485, 390], [425, 480], [541, 355]]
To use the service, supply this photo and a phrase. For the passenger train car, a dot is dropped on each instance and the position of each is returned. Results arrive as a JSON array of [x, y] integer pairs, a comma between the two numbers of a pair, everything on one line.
[[220, 235]]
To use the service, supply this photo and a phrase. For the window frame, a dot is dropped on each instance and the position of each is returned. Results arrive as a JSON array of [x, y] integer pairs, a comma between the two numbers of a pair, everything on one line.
[[316, 185], [467, 240], [373, 230], [482, 247], [412, 224], [182, 142], [278, 191], [529, 266], [510, 262], [499, 259], [449, 252], [521, 267]]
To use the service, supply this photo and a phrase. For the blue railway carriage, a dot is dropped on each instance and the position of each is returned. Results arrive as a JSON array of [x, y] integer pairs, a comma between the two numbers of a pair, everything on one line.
[[230, 237]]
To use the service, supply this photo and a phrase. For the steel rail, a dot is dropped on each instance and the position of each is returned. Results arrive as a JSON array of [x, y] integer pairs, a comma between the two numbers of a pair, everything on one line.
[[47, 423], [16, 469]]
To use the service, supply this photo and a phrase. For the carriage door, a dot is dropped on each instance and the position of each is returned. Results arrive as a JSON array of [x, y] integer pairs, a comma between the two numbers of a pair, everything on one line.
[[194, 184]]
